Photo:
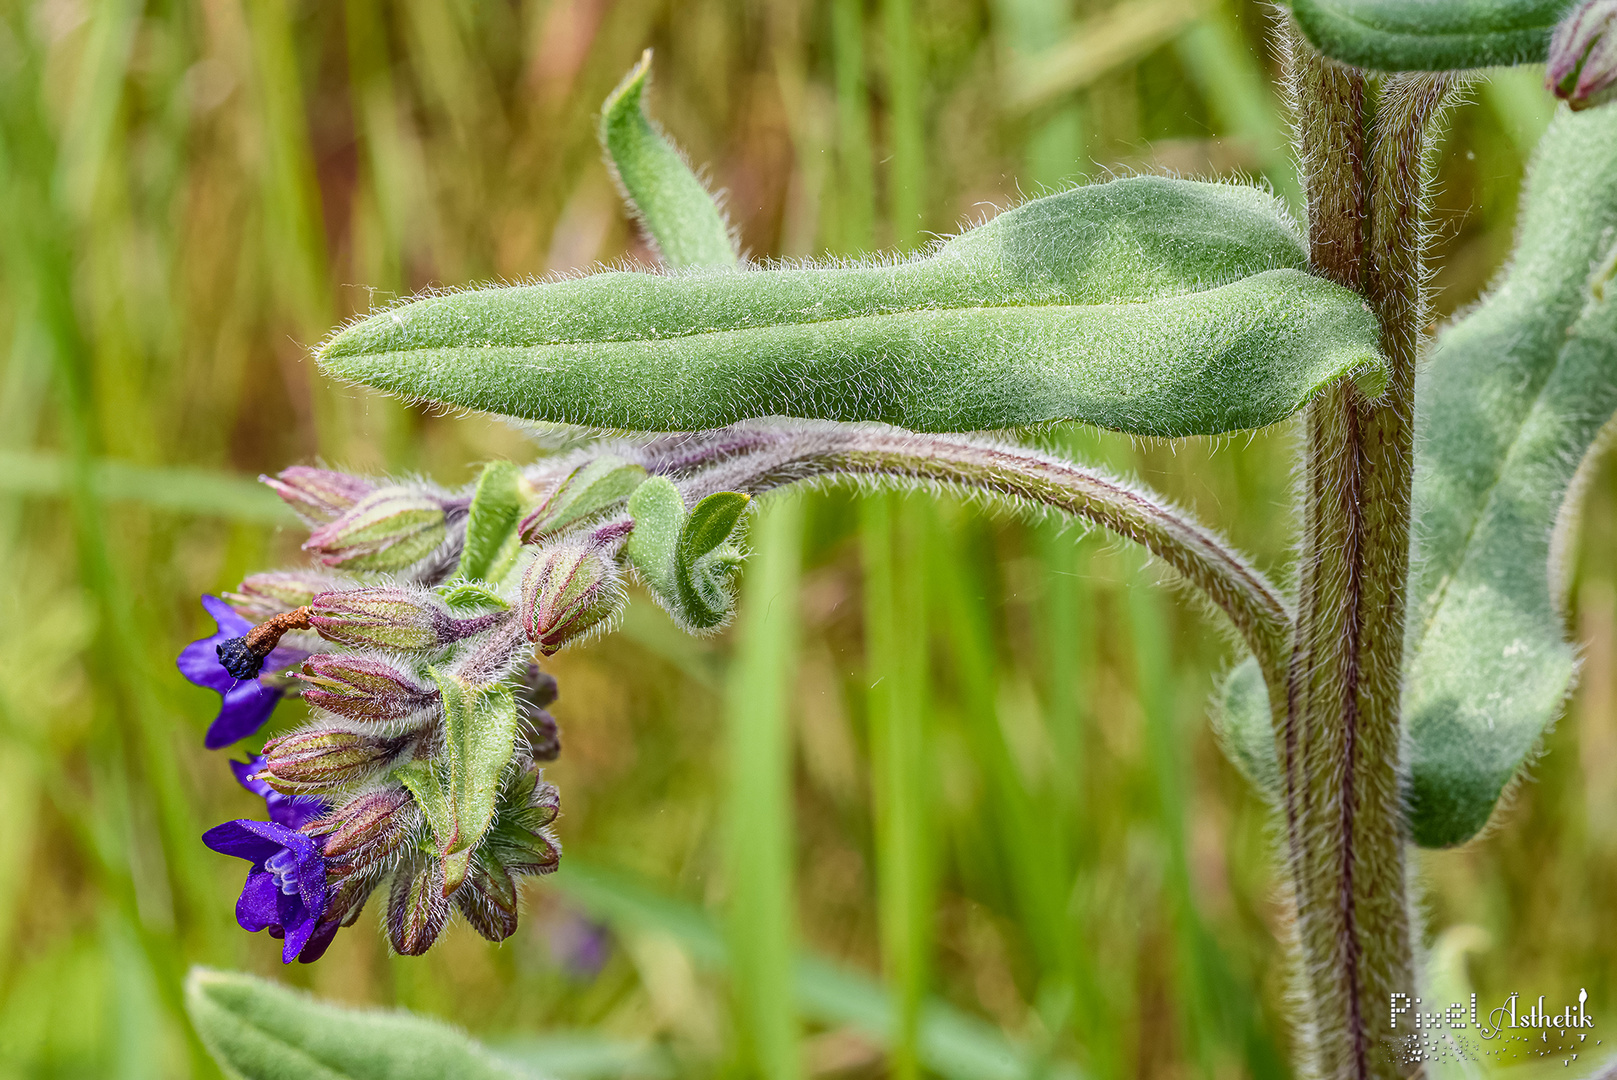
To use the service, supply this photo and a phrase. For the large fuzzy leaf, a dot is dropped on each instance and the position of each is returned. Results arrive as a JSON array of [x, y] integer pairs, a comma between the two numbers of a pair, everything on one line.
[[1149, 305], [258, 1030], [1430, 35], [1512, 402]]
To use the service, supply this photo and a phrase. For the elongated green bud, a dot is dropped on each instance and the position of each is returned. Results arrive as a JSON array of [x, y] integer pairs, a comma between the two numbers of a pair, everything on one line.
[[323, 758], [417, 908], [263, 596], [365, 688], [390, 617], [589, 490], [388, 529], [1148, 305], [1431, 35]]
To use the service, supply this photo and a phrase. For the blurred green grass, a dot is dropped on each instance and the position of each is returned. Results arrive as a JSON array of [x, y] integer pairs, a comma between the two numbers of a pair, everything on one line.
[[1050, 863]]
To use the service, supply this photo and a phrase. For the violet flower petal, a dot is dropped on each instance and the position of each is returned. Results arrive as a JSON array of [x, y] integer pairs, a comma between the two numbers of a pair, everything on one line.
[[246, 708], [319, 941], [257, 908], [234, 838]]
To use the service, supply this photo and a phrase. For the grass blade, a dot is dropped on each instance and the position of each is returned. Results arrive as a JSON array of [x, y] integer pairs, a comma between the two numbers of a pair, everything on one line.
[[760, 839]]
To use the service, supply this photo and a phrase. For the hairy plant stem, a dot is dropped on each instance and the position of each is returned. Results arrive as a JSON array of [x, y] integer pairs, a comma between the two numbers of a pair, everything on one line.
[[769, 455], [1339, 728]]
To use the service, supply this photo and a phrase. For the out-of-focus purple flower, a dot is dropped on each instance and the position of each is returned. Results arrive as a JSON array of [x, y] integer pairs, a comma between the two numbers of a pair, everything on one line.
[[286, 887], [579, 945], [247, 702], [1582, 63], [291, 811]]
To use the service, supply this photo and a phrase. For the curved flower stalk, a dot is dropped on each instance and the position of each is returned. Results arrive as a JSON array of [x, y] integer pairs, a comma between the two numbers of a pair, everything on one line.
[[759, 456]]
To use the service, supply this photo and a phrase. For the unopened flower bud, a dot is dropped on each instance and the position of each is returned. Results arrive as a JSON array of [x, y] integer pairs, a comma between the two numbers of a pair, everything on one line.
[[488, 899], [588, 490], [365, 831], [365, 688], [569, 590], [389, 617], [318, 495], [417, 909], [1582, 63], [263, 596], [323, 758], [389, 529]]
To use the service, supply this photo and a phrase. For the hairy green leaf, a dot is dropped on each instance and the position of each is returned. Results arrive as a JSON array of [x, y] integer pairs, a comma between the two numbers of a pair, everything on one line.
[[1241, 719], [480, 730], [683, 557], [421, 777], [491, 523], [677, 212], [259, 1030], [1147, 304], [1430, 35], [659, 514], [703, 563], [1511, 404]]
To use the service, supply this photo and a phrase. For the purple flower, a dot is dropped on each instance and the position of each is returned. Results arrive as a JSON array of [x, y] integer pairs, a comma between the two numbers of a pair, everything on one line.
[[286, 888], [247, 702], [291, 811]]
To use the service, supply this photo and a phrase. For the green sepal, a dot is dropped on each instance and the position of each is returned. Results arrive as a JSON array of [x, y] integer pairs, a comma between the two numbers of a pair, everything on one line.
[[1148, 305], [472, 597], [1430, 35], [676, 210], [491, 524], [258, 1030], [659, 513], [703, 566], [591, 489], [480, 733]]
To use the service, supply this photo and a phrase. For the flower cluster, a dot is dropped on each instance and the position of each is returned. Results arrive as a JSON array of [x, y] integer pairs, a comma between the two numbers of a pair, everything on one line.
[[411, 643]]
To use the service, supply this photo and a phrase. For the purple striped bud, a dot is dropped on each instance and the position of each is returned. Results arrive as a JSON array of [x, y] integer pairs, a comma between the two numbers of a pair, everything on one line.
[[363, 833], [318, 495], [390, 617], [1582, 64], [365, 688], [319, 758], [389, 529], [263, 596], [568, 591], [417, 909]]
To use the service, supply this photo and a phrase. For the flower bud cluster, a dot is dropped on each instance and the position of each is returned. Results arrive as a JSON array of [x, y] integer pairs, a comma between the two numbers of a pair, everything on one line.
[[406, 667]]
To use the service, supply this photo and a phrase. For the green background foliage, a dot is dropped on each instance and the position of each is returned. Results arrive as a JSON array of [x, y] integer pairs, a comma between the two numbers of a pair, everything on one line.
[[981, 773]]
